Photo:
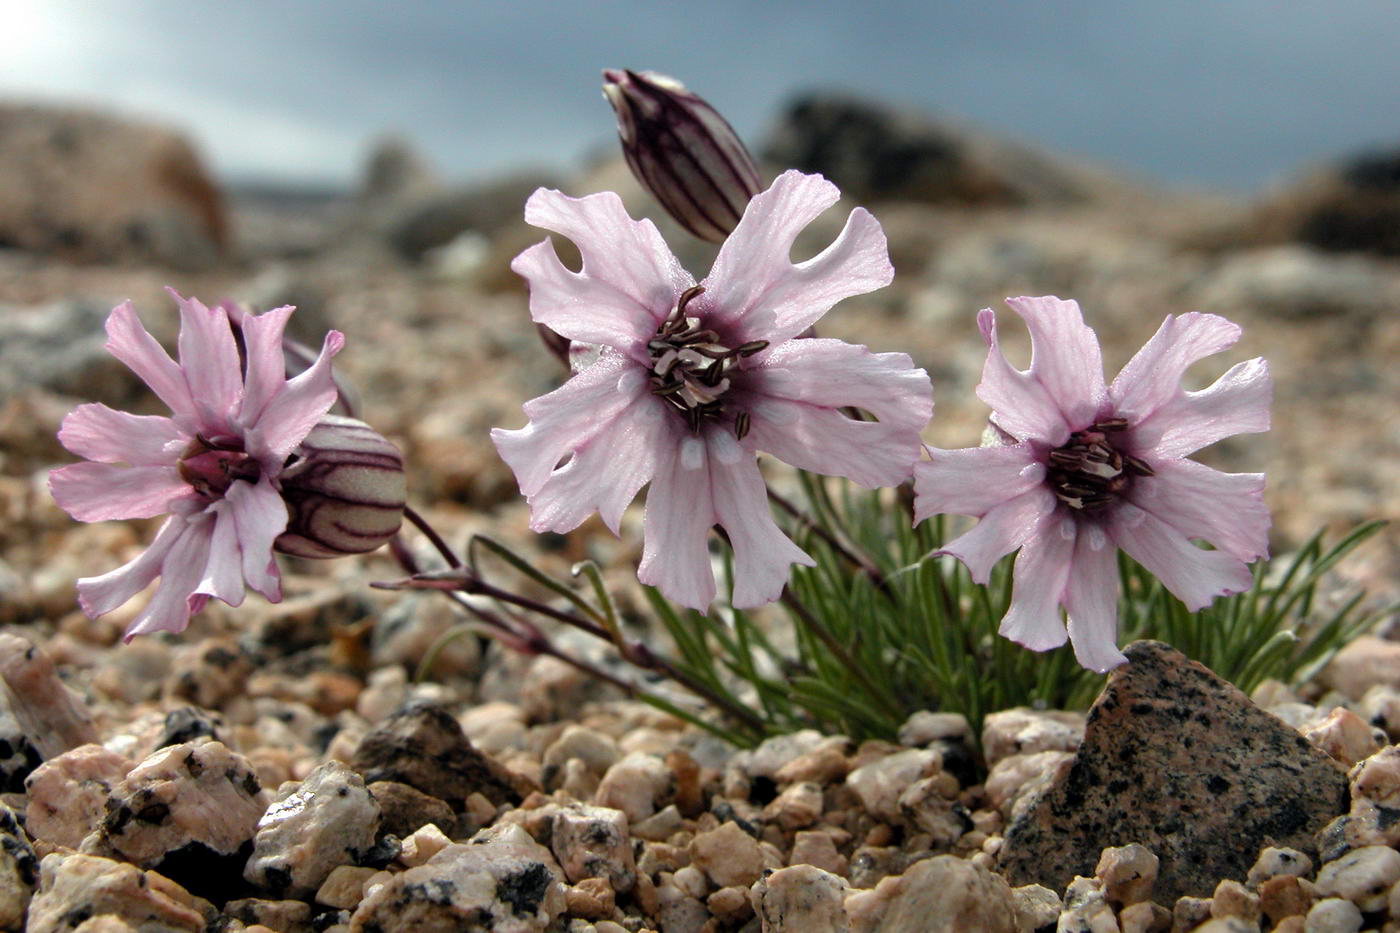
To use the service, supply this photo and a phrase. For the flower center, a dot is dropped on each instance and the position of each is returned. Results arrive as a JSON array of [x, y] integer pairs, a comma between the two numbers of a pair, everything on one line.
[[690, 367], [1090, 474], [211, 465]]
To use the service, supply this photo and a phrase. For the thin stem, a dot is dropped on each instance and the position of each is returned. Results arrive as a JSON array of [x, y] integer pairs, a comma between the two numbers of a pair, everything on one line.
[[537, 642], [430, 532], [833, 644], [639, 654], [808, 523], [634, 652]]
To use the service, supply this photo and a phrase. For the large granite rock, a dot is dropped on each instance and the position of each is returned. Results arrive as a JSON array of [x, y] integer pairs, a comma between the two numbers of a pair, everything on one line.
[[1180, 761], [92, 187]]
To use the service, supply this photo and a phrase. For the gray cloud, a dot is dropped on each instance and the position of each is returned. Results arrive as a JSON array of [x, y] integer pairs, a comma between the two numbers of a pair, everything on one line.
[[1215, 92]]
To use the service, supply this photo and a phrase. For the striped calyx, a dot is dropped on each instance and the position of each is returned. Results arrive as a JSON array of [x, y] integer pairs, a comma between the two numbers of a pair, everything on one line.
[[344, 489], [682, 151]]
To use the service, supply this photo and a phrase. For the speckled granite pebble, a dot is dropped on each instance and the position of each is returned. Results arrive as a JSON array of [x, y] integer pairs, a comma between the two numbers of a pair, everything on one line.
[[74, 887], [1179, 760], [402, 809], [943, 894], [328, 820], [594, 842], [503, 882], [424, 747], [68, 794], [19, 871], [52, 717], [190, 812], [801, 899]]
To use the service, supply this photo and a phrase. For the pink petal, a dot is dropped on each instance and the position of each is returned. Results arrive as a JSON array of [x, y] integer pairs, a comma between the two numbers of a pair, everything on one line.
[[755, 290], [1225, 509], [973, 480], [100, 595], [607, 471], [99, 433], [1091, 599], [1002, 530], [1039, 579], [223, 573], [175, 598], [1237, 403], [1065, 357], [1153, 376], [824, 440], [793, 394], [1021, 405], [130, 342], [567, 418], [1195, 576], [209, 361], [629, 281], [99, 492], [259, 516], [763, 555], [285, 421], [679, 513], [267, 364]]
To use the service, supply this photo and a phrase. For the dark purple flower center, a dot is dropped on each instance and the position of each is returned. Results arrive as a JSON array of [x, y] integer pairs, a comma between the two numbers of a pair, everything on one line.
[[690, 367], [211, 465], [1089, 473]]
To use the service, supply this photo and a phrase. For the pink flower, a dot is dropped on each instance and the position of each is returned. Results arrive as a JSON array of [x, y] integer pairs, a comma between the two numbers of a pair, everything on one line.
[[693, 380], [213, 466], [1095, 468]]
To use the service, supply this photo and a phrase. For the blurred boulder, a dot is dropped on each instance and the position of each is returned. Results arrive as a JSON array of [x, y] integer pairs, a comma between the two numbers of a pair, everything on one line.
[[91, 187], [1350, 206], [437, 220], [60, 347], [397, 171], [1297, 282], [876, 152]]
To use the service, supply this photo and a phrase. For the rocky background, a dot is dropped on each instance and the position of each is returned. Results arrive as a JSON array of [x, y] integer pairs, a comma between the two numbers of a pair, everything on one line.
[[275, 766]]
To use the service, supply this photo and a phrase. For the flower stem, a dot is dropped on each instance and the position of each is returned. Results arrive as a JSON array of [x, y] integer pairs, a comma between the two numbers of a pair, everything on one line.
[[635, 653], [808, 523], [433, 537]]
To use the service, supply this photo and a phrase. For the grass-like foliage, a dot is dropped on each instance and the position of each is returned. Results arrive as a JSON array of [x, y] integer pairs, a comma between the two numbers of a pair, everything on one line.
[[880, 629]]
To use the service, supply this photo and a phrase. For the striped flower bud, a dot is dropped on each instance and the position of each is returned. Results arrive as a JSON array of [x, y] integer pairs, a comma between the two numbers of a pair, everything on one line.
[[345, 491], [682, 151]]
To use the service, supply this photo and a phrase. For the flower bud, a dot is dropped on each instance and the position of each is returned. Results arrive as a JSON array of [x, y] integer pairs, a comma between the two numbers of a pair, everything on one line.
[[345, 491], [682, 151]]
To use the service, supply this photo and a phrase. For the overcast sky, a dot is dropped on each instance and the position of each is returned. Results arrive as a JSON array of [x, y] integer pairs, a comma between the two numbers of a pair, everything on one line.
[[1212, 93]]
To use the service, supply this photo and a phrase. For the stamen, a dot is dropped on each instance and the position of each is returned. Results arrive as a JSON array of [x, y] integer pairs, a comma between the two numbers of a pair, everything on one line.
[[690, 366], [1089, 473]]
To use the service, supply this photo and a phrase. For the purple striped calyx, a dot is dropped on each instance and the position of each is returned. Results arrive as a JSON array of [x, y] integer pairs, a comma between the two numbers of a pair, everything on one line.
[[344, 489], [682, 151]]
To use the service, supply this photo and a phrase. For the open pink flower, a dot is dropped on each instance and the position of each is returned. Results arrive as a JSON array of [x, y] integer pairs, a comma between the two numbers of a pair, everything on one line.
[[1095, 468], [213, 465], [693, 380]]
